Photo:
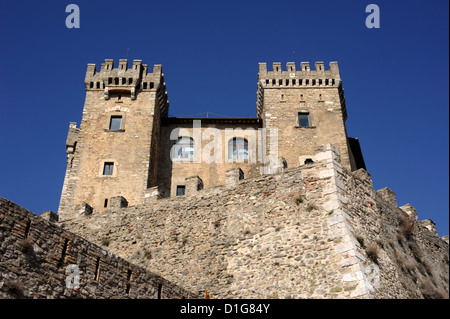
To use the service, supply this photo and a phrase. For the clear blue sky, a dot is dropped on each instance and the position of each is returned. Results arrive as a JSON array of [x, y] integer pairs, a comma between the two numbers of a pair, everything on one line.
[[395, 78]]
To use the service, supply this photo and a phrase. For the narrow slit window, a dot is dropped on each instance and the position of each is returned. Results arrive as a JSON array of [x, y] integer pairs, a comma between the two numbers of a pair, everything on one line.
[[106, 203], [97, 269], [63, 253], [128, 283], [159, 291], [27, 229], [115, 122], [108, 169]]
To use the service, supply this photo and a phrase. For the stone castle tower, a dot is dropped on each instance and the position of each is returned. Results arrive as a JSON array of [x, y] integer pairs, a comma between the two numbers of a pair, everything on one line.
[[308, 109], [123, 145], [115, 150]]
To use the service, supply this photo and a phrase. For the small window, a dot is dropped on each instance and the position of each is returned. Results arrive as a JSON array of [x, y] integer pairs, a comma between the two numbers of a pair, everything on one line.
[[181, 189], [97, 269], [303, 119], [116, 122], [106, 203], [116, 81], [108, 169]]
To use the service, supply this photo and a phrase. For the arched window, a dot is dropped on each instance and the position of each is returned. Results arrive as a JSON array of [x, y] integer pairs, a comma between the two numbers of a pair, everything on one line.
[[184, 148], [238, 149]]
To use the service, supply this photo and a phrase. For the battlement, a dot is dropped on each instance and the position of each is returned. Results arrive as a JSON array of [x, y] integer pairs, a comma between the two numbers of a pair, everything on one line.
[[123, 79], [291, 77]]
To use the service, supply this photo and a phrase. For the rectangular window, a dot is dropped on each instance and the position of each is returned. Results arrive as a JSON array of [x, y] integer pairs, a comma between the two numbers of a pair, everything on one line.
[[181, 190], [116, 122], [303, 119], [108, 169]]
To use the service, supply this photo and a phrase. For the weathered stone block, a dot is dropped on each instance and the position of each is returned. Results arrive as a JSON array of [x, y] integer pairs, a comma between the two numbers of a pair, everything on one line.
[[410, 211], [83, 209], [50, 216], [233, 176], [193, 185], [388, 196], [118, 202], [430, 225]]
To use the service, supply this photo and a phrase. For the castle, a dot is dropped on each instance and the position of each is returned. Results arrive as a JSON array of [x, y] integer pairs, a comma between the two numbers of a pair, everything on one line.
[[126, 144], [279, 206]]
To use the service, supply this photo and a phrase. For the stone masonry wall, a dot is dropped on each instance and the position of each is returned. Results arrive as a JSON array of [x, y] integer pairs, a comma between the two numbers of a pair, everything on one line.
[[172, 172], [303, 233], [406, 258], [35, 255]]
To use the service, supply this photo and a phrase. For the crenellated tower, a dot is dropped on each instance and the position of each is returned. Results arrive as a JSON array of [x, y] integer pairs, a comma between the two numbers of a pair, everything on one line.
[[308, 109], [115, 150]]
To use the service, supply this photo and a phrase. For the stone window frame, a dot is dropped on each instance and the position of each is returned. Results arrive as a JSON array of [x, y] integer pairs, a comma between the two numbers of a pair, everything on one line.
[[102, 167], [235, 160], [122, 122], [182, 159], [310, 118]]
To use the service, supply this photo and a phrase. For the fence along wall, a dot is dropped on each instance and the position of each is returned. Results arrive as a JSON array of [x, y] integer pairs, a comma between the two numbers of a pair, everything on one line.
[[35, 253]]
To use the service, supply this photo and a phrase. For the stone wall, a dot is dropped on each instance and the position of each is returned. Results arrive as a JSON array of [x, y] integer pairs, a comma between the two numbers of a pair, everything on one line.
[[36, 259], [315, 231], [211, 153], [403, 258], [303, 233]]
